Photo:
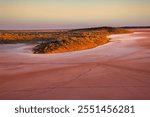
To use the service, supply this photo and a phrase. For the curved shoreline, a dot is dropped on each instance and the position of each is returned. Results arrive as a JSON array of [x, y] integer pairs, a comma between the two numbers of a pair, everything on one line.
[[116, 70]]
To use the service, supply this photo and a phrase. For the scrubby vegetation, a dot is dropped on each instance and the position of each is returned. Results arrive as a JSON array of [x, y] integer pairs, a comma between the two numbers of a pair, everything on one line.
[[52, 42], [78, 39], [18, 37]]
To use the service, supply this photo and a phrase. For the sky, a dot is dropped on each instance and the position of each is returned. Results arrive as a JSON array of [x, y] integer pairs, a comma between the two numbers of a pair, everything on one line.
[[58, 14]]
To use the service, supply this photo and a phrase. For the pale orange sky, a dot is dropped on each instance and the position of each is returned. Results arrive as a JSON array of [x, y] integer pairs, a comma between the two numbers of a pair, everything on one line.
[[20, 14]]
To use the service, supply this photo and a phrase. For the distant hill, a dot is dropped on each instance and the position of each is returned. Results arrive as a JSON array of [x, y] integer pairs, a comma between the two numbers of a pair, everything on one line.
[[128, 27], [91, 29]]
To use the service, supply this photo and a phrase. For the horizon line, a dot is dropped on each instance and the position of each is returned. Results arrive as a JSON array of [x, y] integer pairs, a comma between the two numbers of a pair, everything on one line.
[[73, 28]]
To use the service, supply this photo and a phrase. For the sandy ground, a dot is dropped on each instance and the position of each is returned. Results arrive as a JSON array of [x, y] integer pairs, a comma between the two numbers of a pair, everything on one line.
[[117, 70]]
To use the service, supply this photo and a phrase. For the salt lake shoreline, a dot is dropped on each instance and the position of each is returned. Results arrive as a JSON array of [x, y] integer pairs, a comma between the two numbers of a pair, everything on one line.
[[116, 70]]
